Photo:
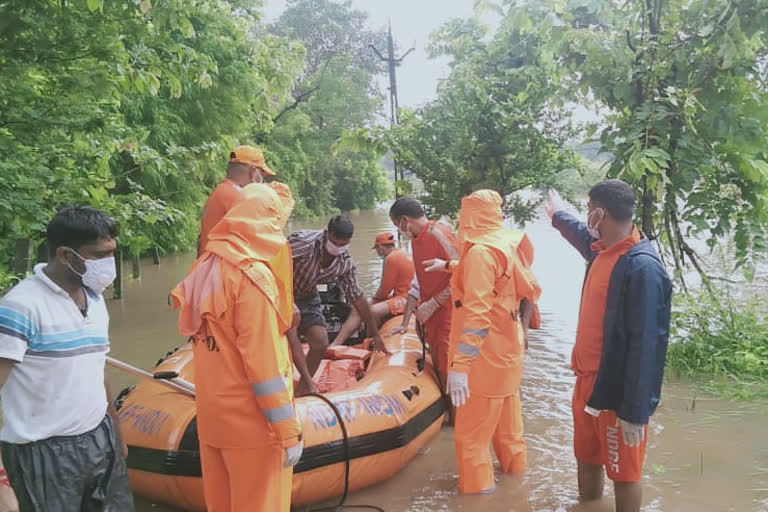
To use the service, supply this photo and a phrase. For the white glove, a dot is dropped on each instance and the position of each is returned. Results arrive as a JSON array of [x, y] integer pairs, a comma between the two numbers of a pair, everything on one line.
[[458, 388], [433, 265], [426, 310], [293, 454], [632, 432]]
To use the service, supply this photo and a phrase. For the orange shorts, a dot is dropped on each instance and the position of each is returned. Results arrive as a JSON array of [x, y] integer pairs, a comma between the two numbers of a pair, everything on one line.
[[397, 305], [598, 439]]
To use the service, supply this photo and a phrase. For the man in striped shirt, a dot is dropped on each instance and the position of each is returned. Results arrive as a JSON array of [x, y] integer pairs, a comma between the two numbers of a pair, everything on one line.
[[321, 256], [61, 448]]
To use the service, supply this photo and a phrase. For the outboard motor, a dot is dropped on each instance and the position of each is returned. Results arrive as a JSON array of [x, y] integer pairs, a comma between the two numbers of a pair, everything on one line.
[[336, 310]]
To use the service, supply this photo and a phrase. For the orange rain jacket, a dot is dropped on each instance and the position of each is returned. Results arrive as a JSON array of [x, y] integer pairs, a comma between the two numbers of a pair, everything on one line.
[[236, 304], [491, 279]]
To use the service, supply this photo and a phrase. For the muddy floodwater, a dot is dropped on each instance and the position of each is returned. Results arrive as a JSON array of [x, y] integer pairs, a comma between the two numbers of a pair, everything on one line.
[[704, 454]]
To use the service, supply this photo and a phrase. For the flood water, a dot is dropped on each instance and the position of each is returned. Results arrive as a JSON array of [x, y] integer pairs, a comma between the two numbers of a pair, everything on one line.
[[704, 454]]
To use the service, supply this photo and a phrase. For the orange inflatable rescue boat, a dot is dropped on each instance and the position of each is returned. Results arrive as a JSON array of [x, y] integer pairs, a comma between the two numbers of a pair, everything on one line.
[[389, 415]]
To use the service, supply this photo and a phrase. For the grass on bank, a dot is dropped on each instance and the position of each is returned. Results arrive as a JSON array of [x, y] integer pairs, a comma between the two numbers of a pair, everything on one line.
[[721, 343]]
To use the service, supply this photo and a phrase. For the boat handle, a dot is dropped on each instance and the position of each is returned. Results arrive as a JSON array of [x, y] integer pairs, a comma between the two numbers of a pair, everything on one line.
[[165, 375]]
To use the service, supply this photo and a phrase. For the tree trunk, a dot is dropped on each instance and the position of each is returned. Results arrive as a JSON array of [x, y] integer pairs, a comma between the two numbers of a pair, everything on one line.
[[647, 210]]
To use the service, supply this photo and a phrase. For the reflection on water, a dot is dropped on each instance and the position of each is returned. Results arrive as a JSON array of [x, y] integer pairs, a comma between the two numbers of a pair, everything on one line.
[[704, 454]]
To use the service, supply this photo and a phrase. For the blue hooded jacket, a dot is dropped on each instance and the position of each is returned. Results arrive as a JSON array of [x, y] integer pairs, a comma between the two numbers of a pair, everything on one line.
[[635, 329]]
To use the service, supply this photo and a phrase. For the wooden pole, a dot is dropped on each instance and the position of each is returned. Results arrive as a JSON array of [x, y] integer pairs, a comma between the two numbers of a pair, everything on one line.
[[117, 287], [155, 255], [42, 252], [22, 257], [178, 384], [136, 267]]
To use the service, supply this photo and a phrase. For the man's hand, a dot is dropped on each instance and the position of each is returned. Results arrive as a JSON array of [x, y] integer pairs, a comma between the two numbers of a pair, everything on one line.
[[378, 344], [125, 449], [400, 329], [553, 203], [434, 265], [364, 310], [426, 310], [8, 501], [633, 433]]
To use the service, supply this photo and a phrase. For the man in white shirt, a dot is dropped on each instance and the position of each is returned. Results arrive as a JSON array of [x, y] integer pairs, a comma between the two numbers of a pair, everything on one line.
[[60, 440]]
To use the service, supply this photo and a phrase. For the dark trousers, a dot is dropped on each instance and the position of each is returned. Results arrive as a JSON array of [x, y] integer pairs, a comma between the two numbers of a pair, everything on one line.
[[84, 473]]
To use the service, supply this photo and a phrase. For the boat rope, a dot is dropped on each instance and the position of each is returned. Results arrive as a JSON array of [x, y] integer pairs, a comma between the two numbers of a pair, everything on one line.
[[345, 435]]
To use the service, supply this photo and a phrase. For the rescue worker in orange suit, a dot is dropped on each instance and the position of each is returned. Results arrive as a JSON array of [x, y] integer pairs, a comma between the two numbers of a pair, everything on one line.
[[391, 297], [236, 304], [246, 165], [430, 293], [621, 342], [494, 293]]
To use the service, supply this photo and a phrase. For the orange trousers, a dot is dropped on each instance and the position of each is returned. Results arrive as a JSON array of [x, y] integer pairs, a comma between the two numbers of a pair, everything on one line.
[[480, 422], [245, 479], [437, 331]]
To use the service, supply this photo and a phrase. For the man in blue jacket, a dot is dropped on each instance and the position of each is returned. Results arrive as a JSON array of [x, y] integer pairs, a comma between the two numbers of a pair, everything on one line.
[[621, 342]]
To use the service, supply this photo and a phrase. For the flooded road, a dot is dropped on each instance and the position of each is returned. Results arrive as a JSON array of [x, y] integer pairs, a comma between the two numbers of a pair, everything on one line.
[[704, 454]]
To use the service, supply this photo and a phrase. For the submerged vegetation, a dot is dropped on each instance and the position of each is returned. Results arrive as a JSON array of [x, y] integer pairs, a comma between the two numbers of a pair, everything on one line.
[[721, 344]]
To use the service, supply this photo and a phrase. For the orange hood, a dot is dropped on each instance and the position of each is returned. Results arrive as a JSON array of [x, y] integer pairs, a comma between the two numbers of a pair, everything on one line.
[[481, 221], [253, 229], [480, 215], [250, 237]]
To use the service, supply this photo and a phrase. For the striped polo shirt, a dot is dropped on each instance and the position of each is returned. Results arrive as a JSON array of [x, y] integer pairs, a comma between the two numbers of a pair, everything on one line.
[[56, 387]]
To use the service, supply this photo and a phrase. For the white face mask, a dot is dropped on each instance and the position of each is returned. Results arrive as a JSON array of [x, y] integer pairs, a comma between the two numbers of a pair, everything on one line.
[[593, 231], [335, 250], [98, 273], [405, 233]]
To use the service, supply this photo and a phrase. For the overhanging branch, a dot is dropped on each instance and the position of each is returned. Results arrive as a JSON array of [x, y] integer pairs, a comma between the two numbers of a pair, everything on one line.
[[297, 100]]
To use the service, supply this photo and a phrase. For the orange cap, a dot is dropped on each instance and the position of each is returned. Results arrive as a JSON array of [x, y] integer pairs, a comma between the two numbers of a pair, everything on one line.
[[385, 238], [250, 155]]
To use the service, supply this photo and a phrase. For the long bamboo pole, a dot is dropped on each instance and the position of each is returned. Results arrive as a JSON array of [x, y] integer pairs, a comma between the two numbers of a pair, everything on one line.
[[177, 383]]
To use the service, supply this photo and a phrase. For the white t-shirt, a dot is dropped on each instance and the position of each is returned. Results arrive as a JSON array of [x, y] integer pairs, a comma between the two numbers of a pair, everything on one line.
[[56, 387]]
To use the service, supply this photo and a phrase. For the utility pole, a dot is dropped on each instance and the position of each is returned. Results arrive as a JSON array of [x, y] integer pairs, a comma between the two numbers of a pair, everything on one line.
[[392, 63]]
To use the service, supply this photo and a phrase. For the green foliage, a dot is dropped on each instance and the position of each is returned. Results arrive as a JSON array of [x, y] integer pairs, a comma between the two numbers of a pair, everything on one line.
[[683, 86], [494, 124], [133, 107], [721, 343], [575, 183], [335, 92]]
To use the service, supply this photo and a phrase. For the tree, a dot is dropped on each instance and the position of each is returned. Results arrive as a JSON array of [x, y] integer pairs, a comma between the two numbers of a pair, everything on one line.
[[130, 107], [179, 141], [335, 91], [684, 87], [495, 122]]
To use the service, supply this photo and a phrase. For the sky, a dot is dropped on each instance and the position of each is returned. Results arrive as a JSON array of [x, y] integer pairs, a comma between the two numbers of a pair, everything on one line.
[[412, 23]]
